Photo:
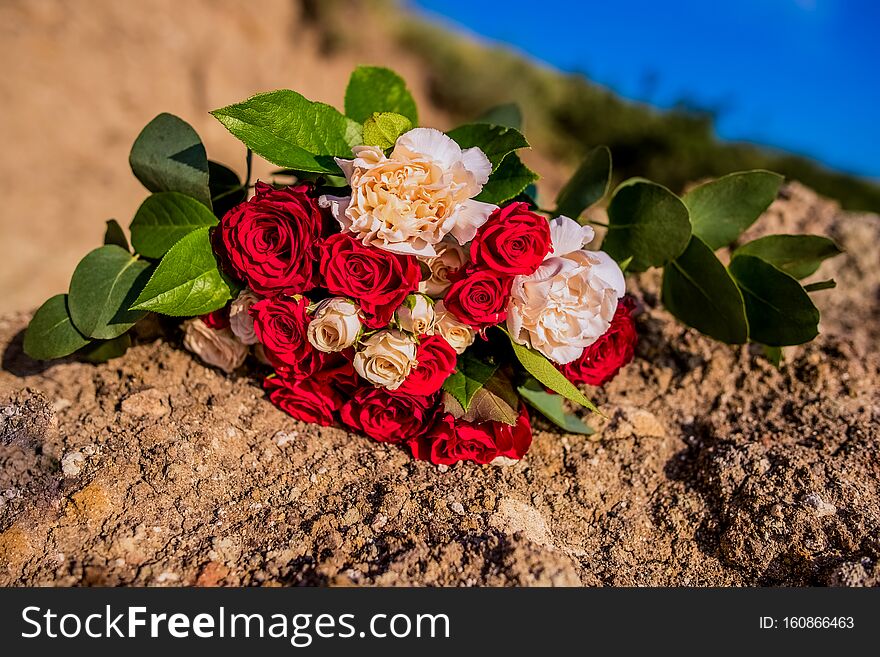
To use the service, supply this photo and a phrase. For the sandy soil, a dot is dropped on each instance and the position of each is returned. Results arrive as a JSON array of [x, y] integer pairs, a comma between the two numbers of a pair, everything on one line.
[[714, 467]]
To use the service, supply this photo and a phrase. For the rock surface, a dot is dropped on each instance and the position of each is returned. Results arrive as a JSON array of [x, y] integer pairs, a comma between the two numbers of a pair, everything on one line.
[[713, 468]]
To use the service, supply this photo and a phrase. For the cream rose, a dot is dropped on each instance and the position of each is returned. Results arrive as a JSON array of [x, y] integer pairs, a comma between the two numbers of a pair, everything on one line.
[[416, 315], [335, 325], [386, 358], [409, 201], [240, 320], [450, 256], [568, 303], [459, 335], [216, 347]]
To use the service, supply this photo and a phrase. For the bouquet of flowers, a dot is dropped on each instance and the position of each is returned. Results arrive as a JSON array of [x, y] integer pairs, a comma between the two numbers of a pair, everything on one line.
[[407, 284]]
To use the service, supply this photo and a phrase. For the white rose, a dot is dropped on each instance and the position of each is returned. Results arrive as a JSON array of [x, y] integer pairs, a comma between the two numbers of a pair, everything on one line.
[[216, 347], [386, 358], [409, 201], [568, 303], [416, 315], [240, 320], [450, 256], [335, 325], [459, 335]]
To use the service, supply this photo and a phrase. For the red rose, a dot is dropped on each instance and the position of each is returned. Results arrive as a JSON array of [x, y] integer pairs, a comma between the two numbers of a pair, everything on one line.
[[304, 399], [378, 280], [281, 326], [217, 319], [436, 361], [315, 398], [389, 417], [479, 297], [603, 359], [269, 241], [451, 440], [513, 241]]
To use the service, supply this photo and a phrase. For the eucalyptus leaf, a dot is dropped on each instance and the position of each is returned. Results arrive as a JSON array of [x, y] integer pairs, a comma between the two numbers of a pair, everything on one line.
[[587, 186], [51, 333], [102, 288], [495, 141], [291, 131], [374, 89], [227, 190], [187, 281], [163, 219], [114, 234], [508, 115], [700, 292], [101, 351], [168, 156], [722, 209], [509, 180], [551, 407], [383, 128], [779, 310], [646, 222], [545, 372], [798, 255]]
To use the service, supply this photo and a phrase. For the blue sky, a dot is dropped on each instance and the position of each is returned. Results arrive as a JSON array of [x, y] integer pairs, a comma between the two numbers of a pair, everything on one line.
[[801, 75]]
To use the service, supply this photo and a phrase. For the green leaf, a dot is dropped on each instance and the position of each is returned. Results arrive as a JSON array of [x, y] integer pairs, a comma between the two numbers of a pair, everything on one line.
[[700, 292], [798, 255], [383, 128], [163, 219], [508, 115], [101, 351], [495, 141], [102, 288], [469, 376], [51, 334], [723, 208], [115, 235], [830, 284], [551, 407], [486, 406], [545, 372], [227, 190], [168, 156], [773, 354], [587, 186], [291, 131], [779, 310], [507, 181], [374, 89], [648, 222], [187, 281]]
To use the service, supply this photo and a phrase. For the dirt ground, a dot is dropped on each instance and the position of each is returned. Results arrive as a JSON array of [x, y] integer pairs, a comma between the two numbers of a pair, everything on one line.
[[713, 469]]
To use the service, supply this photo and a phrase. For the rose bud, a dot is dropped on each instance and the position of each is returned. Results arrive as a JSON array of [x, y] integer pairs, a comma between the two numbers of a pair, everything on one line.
[[378, 280], [514, 241], [389, 417], [282, 326], [386, 358], [435, 362], [459, 335], [269, 241], [479, 298], [416, 315], [240, 320], [450, 258], [216, 347], [603, 359], [335, 325]]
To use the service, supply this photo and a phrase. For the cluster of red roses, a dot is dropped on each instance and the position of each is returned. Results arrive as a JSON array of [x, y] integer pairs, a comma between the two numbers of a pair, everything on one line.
[[283, 246]]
